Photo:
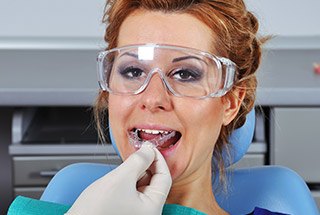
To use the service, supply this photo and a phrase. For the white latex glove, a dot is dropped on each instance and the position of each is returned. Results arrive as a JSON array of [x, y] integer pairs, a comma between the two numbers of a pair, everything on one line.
[[119, 192]]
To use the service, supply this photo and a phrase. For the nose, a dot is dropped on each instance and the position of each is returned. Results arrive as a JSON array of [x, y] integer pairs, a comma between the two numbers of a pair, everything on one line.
[[156, 97]]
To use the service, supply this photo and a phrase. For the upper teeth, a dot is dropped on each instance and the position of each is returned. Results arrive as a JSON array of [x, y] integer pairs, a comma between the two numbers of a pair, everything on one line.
[[149, 131]]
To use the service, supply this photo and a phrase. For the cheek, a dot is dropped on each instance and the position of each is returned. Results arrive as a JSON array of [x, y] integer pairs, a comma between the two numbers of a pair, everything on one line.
[[212, 125], [116, 113], [206, 120], [206, 131], [202, 124], [119, 110]]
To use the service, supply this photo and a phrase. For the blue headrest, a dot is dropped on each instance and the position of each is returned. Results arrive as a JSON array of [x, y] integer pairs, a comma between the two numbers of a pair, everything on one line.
[[240, 140]]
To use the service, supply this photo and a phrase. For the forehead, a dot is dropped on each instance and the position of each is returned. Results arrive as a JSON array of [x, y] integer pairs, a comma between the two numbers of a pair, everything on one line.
[[179, 29]]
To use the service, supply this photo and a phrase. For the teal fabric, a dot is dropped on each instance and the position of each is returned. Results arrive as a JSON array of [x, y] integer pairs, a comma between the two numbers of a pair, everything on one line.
[[27, 206], [171, 209]]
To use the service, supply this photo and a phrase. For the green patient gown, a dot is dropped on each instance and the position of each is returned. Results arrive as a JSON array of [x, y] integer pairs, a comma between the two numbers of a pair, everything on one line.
[[27, 206]]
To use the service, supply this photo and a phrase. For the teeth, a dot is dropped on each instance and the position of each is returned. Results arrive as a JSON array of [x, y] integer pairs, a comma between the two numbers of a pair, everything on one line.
[[158, 141], [149, 131]]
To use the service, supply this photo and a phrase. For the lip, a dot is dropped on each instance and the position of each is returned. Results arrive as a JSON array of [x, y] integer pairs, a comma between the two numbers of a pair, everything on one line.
[[170, 151], [152, 127]]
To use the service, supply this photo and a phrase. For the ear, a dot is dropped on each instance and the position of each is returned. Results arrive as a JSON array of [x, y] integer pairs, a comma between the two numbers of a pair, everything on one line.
[[232, 103]]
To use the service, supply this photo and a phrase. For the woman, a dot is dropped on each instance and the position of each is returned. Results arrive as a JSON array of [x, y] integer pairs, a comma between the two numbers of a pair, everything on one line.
[[180, 96]]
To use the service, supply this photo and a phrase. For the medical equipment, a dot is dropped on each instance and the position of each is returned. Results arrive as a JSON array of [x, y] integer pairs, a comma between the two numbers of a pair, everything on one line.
[[316, 67], [158, 141]]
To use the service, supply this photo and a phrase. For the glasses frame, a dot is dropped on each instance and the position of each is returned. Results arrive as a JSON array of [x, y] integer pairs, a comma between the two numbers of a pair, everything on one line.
[[230, 70]]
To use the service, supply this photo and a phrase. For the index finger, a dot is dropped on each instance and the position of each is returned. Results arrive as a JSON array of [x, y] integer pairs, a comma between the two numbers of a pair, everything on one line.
[[161, 179]]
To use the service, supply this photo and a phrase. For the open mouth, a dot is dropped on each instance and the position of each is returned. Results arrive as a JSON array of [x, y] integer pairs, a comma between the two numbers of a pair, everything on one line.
[[159, 138]]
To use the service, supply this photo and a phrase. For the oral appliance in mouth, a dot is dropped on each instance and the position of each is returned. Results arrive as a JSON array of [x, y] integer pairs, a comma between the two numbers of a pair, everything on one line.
[[158, 138]]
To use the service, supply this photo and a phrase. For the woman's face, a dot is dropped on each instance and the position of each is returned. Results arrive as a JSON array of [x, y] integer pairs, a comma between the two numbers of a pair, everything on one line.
[[198, 121]]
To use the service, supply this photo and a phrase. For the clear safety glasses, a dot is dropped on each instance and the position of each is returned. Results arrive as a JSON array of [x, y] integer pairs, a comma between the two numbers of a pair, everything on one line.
[[185, 72]]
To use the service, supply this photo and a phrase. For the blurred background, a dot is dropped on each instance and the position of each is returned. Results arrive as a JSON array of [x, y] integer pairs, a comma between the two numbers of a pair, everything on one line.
[[48, 84]]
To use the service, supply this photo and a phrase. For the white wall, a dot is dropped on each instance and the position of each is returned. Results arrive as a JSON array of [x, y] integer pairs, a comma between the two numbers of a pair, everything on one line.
[[51, 18], [72, 18], [287, 17]]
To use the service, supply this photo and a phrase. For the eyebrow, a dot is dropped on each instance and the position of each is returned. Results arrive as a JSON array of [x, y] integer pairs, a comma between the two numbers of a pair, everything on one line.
[[186, 58], [173, 61], [130, 54]]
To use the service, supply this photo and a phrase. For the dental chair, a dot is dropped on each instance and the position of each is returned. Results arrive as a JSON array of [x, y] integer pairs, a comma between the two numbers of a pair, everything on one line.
[[275, 188]]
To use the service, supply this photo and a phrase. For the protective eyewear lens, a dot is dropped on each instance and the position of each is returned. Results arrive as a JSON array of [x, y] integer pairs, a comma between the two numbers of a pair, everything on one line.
[[185, 72]]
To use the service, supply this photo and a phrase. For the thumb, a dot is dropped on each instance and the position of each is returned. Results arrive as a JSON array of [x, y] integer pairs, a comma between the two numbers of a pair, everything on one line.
[[136, 164], [161, 180]]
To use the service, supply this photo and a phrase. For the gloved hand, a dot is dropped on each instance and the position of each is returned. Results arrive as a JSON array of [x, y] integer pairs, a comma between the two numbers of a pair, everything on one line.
[[119, 192]]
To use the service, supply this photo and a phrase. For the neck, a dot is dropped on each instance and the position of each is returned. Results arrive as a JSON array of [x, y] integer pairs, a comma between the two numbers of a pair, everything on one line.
[[195, 191]]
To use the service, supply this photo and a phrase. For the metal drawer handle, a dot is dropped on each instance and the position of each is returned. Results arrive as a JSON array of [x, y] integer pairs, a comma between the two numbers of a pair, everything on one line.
[[48, 173]]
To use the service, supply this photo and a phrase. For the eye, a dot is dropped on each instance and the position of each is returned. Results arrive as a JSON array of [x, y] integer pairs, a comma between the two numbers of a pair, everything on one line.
[[186, 75], [132, 72]]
